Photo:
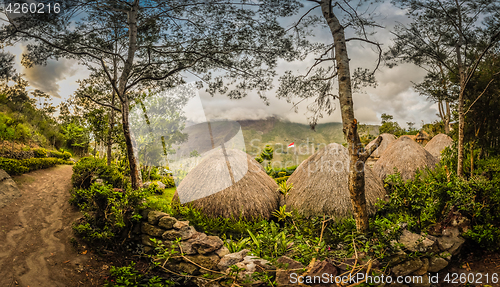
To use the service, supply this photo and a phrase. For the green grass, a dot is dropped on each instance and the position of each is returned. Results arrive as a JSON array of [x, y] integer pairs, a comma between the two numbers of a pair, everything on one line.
[[161, 202]]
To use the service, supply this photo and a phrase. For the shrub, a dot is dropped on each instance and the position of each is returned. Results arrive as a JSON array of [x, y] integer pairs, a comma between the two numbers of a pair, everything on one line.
[[168, 181], [279, 180], [107, 212], [64, 155], [16, 167], [87, 169], [40, 153], [129, 276], [12, 166]]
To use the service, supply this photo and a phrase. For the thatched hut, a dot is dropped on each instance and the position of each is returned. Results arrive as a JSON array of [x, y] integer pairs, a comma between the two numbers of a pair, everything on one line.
[[407, 156], [387, 139], [412, 137], [320, 184], [437, 144], [210, 188], [422, 137]]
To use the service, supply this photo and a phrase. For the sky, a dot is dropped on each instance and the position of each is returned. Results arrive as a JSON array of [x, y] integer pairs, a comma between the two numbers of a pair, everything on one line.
[[393, 95]]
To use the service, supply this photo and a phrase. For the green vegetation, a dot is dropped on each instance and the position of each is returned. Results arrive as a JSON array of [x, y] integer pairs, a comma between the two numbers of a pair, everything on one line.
[[130, 276], [16, 167], [88, 169]]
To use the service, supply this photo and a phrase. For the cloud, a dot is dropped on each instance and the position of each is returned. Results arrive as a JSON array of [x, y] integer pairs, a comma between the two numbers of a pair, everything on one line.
[[48, 78]]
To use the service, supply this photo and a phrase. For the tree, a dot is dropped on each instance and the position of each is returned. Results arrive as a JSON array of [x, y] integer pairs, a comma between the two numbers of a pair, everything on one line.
[[389, 126], [318, 84], [141, 45], [452, 35]]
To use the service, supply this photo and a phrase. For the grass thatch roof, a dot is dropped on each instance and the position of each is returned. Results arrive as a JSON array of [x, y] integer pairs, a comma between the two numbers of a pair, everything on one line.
[[209, 187], [437, 144], [412, 137], [387, 139], [320, 184], [407, 156]]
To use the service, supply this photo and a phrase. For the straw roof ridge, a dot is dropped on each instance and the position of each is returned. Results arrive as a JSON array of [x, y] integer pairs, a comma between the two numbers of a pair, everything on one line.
[[387, 139], [320, 184], [407, 156], [208, 187], [437, 144]]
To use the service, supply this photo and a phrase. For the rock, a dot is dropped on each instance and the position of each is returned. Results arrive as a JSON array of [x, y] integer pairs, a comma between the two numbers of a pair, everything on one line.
[[323, 267], [282, 275], [251, 264], [161, 185], [231, 259], [180, 224], [446, 255], [208, 261], [184, 234], [145, 213], [421, 281], [187, 248], [146, 184], [155, 216], [146, 240], [407, 267], [451, 241], [167, 222], [415, 242], [221, 252], [207, 245], [188, 268], [99, 181], [8, 189], [437, 264], [424, 267], [396, 258], [151, 229]]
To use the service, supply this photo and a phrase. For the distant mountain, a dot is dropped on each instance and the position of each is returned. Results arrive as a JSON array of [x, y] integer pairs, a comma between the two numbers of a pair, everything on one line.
[[274, 131]]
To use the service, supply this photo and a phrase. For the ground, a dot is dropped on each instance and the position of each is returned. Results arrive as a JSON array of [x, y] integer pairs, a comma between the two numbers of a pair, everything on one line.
[[36, 240]]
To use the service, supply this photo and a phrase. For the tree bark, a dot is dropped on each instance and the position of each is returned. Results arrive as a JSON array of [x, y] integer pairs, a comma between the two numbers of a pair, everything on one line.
[[122, 93], [461, 115], [357, 158]]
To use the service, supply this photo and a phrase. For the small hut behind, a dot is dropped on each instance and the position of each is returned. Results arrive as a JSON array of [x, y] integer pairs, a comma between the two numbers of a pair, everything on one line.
[[422, 137], [437, 144], [387, 139], [209, 187], [320, 184], [407, 156]]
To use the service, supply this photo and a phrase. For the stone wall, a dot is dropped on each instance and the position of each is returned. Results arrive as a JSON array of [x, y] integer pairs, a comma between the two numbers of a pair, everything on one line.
[[203, 253]]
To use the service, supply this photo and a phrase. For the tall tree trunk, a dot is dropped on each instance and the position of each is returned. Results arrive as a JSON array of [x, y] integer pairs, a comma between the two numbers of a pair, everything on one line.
[[110, 132], [356, 158], [461, 115], [122, 93]]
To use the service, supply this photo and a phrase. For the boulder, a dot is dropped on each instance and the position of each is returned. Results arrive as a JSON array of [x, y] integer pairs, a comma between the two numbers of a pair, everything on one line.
[[167, 222], [437, 264], [423, 269], [407, 267], [209, 261], [221, 252], [155, 216], [451, 241], [231, 259], [322, 267], [188, 268], [151, 229], [161, 185], [8, 189], [180, 224], [187, 248], [424, 281], [282, 274], [415, 242], [184, 233], [207, 244]]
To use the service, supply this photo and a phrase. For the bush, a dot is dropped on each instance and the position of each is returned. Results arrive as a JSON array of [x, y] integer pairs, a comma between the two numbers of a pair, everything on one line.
[[12, 166], [40, 153], [16, 167], [87, 169], [129, 276], [168, 181], [107, 212], [64, 155], [281, 179]]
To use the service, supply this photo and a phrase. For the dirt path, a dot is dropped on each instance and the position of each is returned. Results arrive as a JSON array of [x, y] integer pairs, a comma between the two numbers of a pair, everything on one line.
[[35, 234]]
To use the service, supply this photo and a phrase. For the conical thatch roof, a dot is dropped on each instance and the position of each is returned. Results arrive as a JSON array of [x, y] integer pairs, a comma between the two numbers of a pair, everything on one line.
[[412, 137], [407, 156], [209, 187], [422, 137], [320, 184], [437, 144], [387, 139]]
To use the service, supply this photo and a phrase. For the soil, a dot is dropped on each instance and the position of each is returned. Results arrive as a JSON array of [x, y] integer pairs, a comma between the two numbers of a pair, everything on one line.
[[37, 248]]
